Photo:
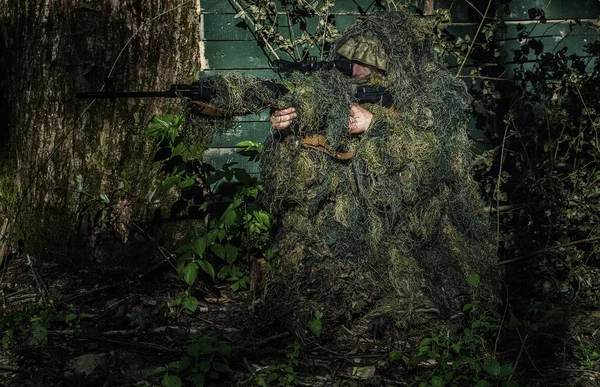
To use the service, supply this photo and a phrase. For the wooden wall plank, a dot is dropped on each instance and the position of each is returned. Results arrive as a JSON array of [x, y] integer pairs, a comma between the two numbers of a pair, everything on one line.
[[224, 55], [243, 131], [220, 156], [463, 12], [226, 27], [341, 6], [553, 36], [561, 9]]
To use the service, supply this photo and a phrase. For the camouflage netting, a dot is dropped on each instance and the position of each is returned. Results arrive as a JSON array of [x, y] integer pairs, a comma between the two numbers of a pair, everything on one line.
[[395, 230]]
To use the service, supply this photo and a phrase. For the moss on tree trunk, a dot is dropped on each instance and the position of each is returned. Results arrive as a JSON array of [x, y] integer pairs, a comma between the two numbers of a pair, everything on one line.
[[54, 151]]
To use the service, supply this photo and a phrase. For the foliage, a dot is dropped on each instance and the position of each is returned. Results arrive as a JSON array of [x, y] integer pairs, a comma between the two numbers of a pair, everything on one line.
[[235, 228], [206, 358], [282, 374], [270, 28], [447, 358], [589, 355], [544, 164]]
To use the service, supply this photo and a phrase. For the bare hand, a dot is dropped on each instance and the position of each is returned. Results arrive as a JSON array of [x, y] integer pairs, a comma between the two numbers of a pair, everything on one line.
[[282, 119], [360, 119]]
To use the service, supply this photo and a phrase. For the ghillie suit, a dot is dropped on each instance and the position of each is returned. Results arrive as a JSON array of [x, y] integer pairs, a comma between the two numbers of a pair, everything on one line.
[[395, 229]]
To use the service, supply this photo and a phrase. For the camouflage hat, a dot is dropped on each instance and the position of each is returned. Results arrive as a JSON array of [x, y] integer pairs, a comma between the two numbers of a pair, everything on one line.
[[365, 49]]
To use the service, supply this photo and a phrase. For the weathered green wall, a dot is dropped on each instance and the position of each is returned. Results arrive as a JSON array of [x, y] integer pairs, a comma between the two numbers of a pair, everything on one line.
[[227, 47]]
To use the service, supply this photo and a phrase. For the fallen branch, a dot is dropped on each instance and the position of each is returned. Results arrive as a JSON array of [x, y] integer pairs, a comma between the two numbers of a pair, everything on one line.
[[588, 240], [141, 345], [9, 368]]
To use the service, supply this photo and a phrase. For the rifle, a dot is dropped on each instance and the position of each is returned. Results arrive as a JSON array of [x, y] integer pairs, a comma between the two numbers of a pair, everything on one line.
[[202, 91]]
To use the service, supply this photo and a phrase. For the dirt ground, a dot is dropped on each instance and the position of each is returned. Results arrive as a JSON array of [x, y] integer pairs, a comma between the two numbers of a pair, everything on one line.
[[127, 330]]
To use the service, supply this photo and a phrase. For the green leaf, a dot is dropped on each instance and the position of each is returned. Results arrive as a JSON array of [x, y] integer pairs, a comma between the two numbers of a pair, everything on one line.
[[483, 383], [159, 370], [315, 326], [171, 381], [224, 349], [510, 383], [505, 370], [190, 273], [231, 253], [191, 303], [288, 85], [263, 217], [395, 355], [491, 366], [204, 365], [221, 367], [212, 236], [474, 280], [199, 246], [169, 182], [229, 217], [207, 267], [198, 380], [193, 349], [39, 335], [189, 182], [70, 317], [219, 250], [436, 381], [104, 198]]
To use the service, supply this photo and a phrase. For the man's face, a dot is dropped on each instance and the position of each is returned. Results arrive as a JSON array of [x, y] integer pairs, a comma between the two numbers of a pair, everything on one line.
[[360, 71]]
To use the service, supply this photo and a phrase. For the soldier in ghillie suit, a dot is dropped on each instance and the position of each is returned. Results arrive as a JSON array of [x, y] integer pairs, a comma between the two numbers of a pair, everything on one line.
[[379, 214]]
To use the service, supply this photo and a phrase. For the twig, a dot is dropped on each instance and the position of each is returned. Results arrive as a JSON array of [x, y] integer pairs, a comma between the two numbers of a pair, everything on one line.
[[498, 182], [142, 345], [501, 323], [588, 240], [505, 208], [474, 7], [474, 39], [274, 337], [483, 77], [89, 292], [9, 368], [519, 355], [240, 9], [247, 365]]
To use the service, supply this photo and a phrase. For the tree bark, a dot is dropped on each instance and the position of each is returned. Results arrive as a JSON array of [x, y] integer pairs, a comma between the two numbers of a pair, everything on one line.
[[57, 155]]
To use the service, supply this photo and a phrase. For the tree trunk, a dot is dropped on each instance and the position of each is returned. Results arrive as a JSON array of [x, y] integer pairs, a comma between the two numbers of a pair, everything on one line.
[[59, 154]]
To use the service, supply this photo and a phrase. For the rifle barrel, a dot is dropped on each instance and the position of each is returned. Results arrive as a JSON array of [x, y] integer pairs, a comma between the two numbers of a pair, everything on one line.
[[126, 94]]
